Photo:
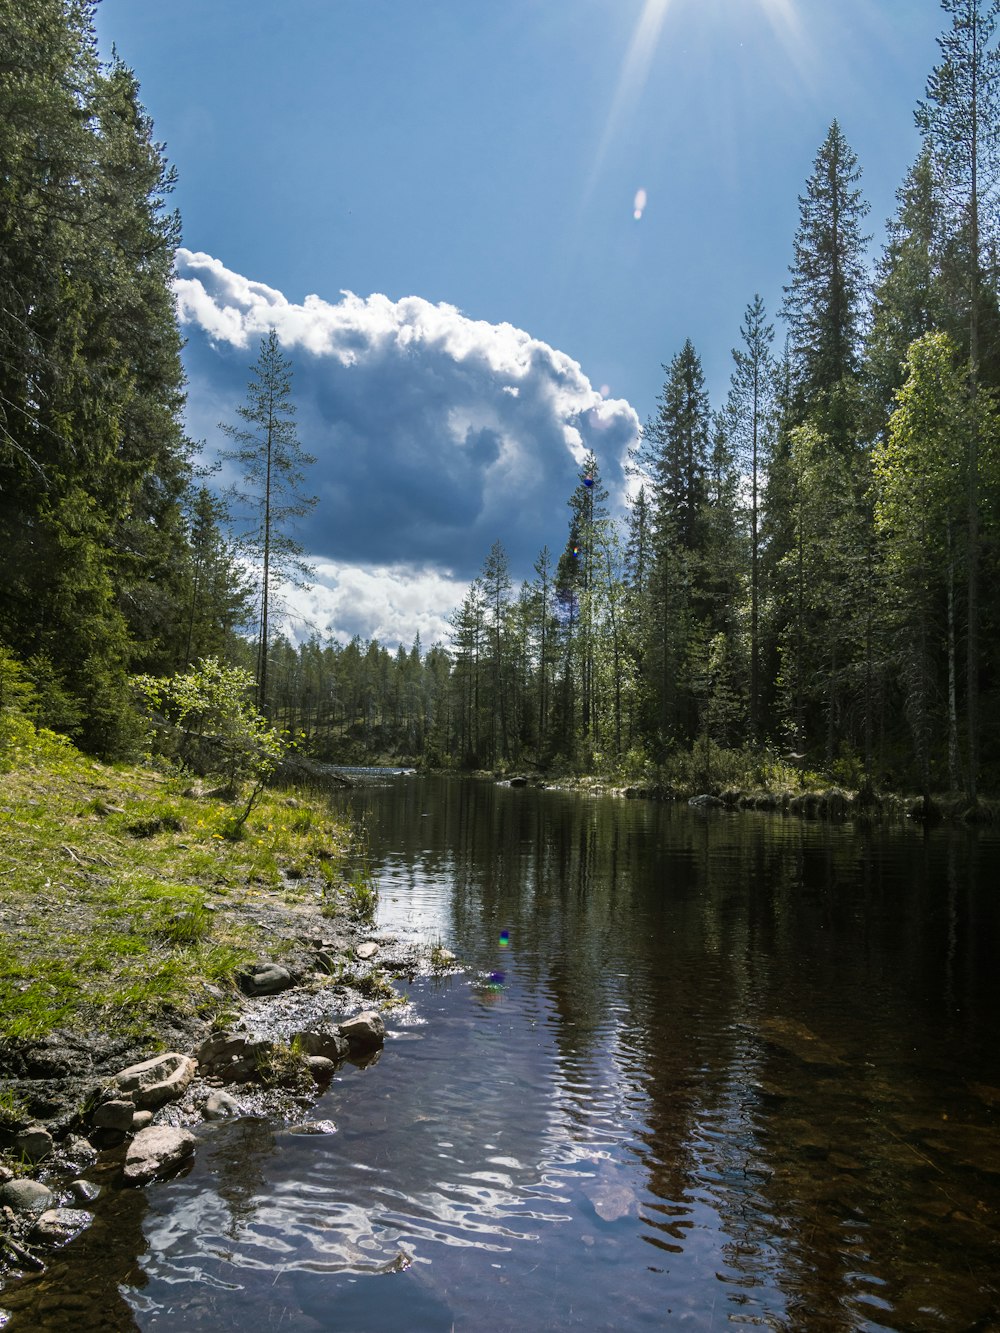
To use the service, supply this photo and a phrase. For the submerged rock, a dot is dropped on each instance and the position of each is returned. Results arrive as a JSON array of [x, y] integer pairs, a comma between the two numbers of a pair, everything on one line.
[[157, 1081], [157, 1151], [58, 1225], [789, 1035], [313, 1127]]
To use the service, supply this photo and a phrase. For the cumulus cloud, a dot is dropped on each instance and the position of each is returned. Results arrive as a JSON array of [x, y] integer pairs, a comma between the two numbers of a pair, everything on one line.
[[392, 604], [435, 434]]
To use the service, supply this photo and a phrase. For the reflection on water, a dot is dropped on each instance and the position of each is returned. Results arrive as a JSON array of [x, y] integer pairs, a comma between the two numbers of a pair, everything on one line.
[[703, 1071]]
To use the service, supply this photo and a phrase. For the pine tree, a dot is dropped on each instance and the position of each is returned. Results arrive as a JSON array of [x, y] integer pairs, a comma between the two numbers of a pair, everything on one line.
[[272, 462]]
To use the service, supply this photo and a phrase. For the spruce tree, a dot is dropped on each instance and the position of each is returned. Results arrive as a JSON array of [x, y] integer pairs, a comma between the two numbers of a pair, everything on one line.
[[750, 422], [960, 121], [825, 299]]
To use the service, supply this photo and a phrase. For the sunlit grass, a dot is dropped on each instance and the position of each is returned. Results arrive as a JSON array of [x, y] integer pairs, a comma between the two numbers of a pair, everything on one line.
[[108, 880]]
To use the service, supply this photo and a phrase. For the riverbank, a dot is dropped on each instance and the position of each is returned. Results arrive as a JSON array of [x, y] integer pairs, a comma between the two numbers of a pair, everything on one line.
[[815, 802], [141, 919]]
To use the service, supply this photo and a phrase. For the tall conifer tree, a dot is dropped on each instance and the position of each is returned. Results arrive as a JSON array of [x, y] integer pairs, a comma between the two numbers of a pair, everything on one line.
[[270, 499]]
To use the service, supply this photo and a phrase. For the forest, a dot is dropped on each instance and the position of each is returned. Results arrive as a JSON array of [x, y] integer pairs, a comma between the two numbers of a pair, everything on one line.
[[806, 573]]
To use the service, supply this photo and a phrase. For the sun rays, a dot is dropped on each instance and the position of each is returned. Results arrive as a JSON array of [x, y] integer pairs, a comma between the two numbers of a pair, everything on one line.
[[716, 18], [632, 80]]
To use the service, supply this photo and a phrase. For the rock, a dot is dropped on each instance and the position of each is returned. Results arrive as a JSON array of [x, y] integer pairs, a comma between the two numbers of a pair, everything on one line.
[[364, 1032], [320, 1067], [84, 1191], [222, 1050], [788, 1034], [367, 950], [157, 1151], [705, 802], [33, 1143], [141, 1120], [114, 1115], [5, 1174], [266, 979], [518, 782], [26, 1196], [78, 1149], [328, 1045], [58, 1225], [157, 1081], [313, 1127], [222, 1106]]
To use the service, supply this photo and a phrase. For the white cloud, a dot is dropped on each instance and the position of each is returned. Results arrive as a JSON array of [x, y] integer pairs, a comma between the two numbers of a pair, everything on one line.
[[435, 434], [392, 604]]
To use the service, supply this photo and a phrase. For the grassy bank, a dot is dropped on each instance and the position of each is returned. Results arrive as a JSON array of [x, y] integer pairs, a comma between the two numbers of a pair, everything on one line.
[[129, 898]]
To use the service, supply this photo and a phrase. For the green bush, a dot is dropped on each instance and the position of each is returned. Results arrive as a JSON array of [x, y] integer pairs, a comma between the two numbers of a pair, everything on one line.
[[203, 719]]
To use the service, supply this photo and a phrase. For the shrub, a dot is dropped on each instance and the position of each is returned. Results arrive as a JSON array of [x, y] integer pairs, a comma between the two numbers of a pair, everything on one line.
[[203, 718]]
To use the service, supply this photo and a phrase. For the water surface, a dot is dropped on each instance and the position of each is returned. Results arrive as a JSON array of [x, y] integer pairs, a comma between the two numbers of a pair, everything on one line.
[[702, 1070]]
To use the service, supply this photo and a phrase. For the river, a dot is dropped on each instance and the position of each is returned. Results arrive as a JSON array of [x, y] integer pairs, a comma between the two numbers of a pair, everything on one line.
[[700, 1070]]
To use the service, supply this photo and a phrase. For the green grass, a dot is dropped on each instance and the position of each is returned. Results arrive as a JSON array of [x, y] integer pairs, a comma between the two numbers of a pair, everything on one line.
[[108, 877]]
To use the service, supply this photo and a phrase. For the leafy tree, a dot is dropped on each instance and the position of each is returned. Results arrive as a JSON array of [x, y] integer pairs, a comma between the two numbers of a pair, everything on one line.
[[272, 462], [204, 719], [919, 516]]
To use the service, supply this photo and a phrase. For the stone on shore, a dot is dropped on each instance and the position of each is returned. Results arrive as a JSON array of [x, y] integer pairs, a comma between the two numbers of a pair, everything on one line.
[[117, 1114], [26, 1196], [157, 1151], [154, 1082], [328, 1045], [34, 1143], [266, 979], [222, 1106], [364, 1032], [320, 1067], [366, 950]]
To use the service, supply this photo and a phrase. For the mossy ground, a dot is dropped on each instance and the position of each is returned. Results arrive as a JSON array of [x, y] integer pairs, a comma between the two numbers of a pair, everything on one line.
[[127, 895]]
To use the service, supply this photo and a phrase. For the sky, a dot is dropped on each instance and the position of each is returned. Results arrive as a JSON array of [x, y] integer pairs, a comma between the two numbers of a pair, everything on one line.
[[481, 230]]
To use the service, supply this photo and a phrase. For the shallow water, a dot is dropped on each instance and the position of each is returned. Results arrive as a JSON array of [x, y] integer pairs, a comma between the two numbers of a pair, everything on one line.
[[701, 1071]]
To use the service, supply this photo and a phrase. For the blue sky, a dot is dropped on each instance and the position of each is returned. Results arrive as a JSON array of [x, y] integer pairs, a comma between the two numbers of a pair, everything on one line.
[[468, 170]]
